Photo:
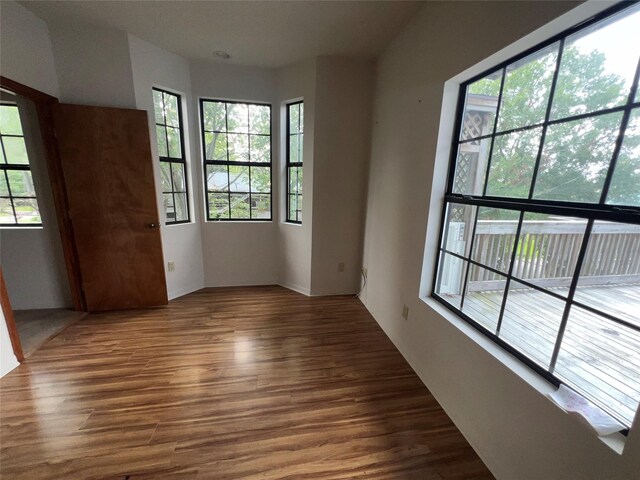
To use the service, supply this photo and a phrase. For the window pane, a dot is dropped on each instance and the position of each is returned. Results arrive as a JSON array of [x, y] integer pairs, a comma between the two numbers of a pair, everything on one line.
[[531, 321], [294, 118], [214, 116], [471, 167], [260, 148], [512, 163], [495, 237], [301, 106], [299, 174], [162, 141], [299, 208], [218, 205], [179, 184], [165, 174], [182, 209], [260, 179], [10, 120], [169, 207], [21, 183], [4, 191], [158, 106], [575, 159], [292, 179], [450, 278], [625, 184], [171, 110], [238, 117], [240, 205], [294, 148], [15, 150], [261, 206], [2, 159], [459, 228], [597, 66], [27, 210], [6, 211], [175, 148], [216, 146], [238, 148], [610, 275], [481, 101], [292, 207], [238, 179], [548, 250], [217, 178], [527, 86], [483, 299], [601, 359], [260, 119]]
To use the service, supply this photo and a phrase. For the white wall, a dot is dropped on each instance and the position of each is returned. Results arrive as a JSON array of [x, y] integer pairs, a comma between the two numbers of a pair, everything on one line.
[[341, 154], [26, 55], [154, 67], [93, 65], [237, 253], [497, 403], [296, 82]]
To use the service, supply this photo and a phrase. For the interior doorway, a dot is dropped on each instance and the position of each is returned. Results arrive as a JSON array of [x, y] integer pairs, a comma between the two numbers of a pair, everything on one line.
[[31, 252]]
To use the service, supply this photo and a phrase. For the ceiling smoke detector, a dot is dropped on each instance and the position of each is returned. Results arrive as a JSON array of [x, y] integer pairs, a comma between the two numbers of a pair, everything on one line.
[[222, 54]]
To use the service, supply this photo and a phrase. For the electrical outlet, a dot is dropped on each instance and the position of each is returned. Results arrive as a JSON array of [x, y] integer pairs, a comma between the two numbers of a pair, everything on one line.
[[405, 312], [171, 266], [341, 267]]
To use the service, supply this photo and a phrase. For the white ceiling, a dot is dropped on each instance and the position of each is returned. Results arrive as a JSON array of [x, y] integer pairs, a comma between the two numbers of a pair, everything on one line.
[[262, 33]]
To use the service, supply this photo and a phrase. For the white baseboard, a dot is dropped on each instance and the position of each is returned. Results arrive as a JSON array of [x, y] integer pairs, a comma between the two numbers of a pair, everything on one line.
[[184, 291], [295, 288]]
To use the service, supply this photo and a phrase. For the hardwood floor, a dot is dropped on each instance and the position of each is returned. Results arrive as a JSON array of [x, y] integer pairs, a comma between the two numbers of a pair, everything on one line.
[[233, 383]]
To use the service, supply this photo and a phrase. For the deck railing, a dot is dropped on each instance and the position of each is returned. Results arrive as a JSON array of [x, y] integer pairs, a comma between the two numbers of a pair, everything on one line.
[[549, 250]]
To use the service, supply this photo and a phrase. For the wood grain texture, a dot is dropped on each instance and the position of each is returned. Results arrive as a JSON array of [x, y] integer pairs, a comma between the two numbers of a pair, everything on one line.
[[231, 383], [108, 172]]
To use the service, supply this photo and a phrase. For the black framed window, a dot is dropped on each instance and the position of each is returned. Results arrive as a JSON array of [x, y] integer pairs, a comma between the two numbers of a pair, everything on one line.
[[237, 159], [540, 240], [295, 142], [173, 163], [18, 203]]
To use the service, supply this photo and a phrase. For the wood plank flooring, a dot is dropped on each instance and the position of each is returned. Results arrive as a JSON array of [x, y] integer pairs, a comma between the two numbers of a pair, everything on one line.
[[232, 383]]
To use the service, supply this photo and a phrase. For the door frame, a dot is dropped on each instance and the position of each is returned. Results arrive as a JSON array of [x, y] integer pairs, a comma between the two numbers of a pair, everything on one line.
[[43, 103]]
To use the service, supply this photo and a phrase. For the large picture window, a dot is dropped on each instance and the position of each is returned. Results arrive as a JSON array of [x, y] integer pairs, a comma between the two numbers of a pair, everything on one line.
[[18, 203], [173, 164], [295, 142], [540, 240], [237, 159]]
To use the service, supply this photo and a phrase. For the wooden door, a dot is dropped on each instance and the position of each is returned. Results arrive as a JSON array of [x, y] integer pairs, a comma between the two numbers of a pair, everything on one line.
[[108, 172]]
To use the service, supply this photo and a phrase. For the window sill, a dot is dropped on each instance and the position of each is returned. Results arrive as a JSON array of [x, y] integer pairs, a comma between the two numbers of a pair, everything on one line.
[[615, 442]]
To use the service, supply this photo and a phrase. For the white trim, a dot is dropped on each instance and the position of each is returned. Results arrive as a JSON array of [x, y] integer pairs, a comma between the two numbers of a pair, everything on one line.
[[296, 288]]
